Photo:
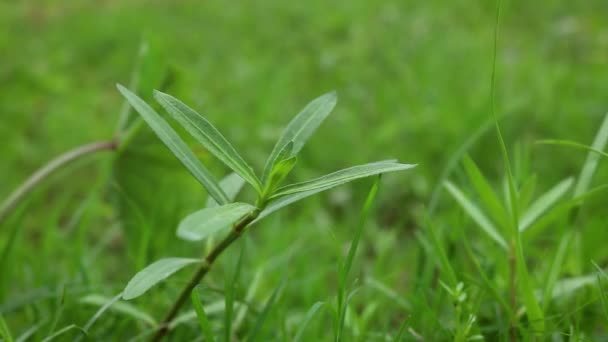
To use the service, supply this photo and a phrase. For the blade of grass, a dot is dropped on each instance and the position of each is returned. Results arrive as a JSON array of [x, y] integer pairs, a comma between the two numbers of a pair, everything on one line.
[[265, 311], [347, 264], [486, 280], [201, 129], [555, 270], [98, 314], [203, 320], [476, 214], [63, 331], [487, 195], [310, 314], [544, 202], [5, 332], [441, 256], [177, 146], [116, 306], [230, 288]]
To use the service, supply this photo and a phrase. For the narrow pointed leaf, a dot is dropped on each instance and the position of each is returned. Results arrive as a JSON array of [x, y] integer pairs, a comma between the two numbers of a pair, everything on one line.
[[489, 198], [170, 138], [203, 320], [5, 332], [544, 202], [343, 176], [555, 270], [63, 331], [121, 307], [304, 323], [231, 185], [279, 173], [599, 145], [475, 213], [534, 312], [206, 222], [301, 128], [153, 274], [208, 136]]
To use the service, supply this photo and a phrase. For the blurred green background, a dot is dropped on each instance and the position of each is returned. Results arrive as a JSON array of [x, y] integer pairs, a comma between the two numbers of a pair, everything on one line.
[[413, 79]]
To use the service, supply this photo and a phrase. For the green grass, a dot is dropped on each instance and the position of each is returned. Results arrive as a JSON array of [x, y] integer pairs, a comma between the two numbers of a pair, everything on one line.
[[413, 80]]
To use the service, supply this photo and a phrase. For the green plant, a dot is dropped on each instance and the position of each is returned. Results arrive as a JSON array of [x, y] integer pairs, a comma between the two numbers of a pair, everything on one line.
[[272, 195]]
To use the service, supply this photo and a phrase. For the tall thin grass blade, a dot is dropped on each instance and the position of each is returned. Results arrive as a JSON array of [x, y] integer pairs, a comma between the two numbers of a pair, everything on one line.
[[476, 214], [203, 320], [544, 202], [310, 314]]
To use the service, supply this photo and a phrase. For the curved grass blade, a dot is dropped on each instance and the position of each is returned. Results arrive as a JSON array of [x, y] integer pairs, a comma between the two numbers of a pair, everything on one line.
[[63, 331], [343, 176], [115, 305], [153, 274], [555, 270], [301, 128], [476, 214], [265, 311], [170, 138], [205, 222], [310, 314], [5, 332], [101, 311], [208, 136], [544, 202], [203, 320], [487, 195]]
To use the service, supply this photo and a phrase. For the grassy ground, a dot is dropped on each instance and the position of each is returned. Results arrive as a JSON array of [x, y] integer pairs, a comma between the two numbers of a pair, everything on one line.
[[413, 80]]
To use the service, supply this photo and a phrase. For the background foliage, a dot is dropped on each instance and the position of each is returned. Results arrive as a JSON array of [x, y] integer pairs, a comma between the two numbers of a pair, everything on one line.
[[413, 80]]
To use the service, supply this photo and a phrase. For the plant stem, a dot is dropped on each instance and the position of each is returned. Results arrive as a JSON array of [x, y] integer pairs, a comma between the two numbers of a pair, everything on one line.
[[236, 232], [47, 170]]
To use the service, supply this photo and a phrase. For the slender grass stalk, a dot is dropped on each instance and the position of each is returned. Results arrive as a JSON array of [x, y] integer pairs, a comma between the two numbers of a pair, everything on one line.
[[203, 269], [51, 167]]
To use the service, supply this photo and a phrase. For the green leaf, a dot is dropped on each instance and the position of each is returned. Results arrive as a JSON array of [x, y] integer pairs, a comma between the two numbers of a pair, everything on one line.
[[535, 314], [280, 170], [205, 222], [301, 128], [170, 138], [264, 314], [208, 136], [112, 304], [544, 202], [441, 255], [63, 331], [278, 174], [231, 185], [341, 177], [203, 320], [312, 312], [555, 269], [485, 192], [5, 332], [153, 274], [475, 213]]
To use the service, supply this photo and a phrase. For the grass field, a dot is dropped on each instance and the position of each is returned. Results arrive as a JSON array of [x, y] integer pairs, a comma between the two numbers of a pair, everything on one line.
[[468, 245]]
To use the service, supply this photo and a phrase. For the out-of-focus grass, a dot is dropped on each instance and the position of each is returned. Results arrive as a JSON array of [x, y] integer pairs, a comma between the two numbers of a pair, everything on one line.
[[413, 83]]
